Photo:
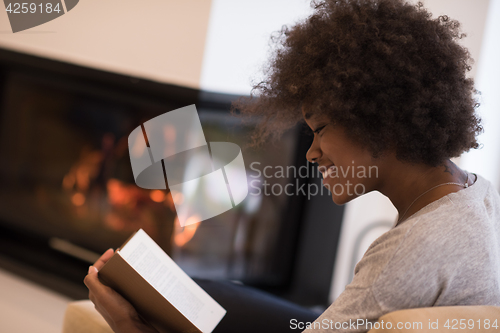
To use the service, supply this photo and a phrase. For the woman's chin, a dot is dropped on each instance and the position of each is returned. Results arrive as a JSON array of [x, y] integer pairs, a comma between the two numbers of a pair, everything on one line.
[[341, 200], [339, 197], [343, 191]]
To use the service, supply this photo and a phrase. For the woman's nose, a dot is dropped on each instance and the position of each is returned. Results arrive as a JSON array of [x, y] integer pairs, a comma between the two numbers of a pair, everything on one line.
[[314, 152]]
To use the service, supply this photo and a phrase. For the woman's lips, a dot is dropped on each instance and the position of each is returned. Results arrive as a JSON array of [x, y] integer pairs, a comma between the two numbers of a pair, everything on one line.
[[326, 171]]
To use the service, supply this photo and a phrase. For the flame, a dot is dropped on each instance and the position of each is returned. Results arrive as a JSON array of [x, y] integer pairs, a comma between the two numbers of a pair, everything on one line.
[[157, 195], [83, 177], [118, 193], [184, 234], [77, 180], [69, 181], [128, 206], [78, 199], [114, 221]]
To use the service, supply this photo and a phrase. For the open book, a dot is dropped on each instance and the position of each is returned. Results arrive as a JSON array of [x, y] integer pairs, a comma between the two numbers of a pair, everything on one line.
[[160, 291]]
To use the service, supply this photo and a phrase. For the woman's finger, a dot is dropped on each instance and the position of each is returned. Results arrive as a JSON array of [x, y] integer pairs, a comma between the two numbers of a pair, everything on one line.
[[101, 294], [104, 258], [116, 310], [105, 297], [92, 282]]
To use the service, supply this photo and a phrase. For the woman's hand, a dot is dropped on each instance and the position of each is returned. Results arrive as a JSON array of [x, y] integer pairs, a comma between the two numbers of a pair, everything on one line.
[[116, 310]]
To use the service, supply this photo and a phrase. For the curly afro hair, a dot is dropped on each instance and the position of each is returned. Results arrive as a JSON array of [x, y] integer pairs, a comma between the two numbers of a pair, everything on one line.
[[384, 69]]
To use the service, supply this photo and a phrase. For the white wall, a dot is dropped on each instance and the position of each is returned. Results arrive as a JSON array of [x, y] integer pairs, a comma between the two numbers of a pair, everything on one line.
[[164, 40], [237, 40], [161, 40], [471, 14], [486, 161]]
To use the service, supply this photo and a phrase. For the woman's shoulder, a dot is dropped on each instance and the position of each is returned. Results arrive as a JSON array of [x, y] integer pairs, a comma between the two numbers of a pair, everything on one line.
[[446, 246], [478, 205], [461, 224]]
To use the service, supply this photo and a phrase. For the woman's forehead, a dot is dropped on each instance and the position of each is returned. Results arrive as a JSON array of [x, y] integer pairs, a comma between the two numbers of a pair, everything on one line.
[[307, 112], [310, 114]]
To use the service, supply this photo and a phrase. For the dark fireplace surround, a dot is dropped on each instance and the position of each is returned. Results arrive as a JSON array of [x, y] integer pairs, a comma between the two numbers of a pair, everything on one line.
[[67, 190]]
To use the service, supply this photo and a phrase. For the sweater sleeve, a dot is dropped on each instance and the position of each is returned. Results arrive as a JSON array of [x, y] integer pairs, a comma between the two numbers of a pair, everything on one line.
[[353, 311], [357, 305]]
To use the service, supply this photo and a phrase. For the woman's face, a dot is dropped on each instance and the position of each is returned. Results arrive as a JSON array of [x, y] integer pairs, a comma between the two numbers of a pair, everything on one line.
[[348, 169]]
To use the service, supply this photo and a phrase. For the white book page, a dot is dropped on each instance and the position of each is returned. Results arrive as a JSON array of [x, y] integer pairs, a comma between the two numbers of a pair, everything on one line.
[[157, 268]]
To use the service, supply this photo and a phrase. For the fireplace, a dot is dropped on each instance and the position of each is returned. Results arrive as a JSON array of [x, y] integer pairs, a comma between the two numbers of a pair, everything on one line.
[[66, 179]]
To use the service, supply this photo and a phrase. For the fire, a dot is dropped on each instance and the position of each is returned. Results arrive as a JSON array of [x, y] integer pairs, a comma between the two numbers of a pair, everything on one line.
[[77, 181], [95, 196], [182, 235], [78, 199], [157, 196], [118, 193]]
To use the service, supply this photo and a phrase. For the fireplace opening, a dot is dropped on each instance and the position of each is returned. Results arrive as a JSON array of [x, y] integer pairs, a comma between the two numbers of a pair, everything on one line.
[[66, 181]]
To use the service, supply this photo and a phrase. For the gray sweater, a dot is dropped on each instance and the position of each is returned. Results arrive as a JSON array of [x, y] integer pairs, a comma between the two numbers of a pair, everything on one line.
[[447, 253]]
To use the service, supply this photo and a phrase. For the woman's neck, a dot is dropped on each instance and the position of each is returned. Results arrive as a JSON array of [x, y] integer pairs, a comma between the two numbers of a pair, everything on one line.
[[410, 187]]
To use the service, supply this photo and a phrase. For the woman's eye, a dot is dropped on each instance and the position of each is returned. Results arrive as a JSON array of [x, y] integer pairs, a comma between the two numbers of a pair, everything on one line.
[[316, 131]]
